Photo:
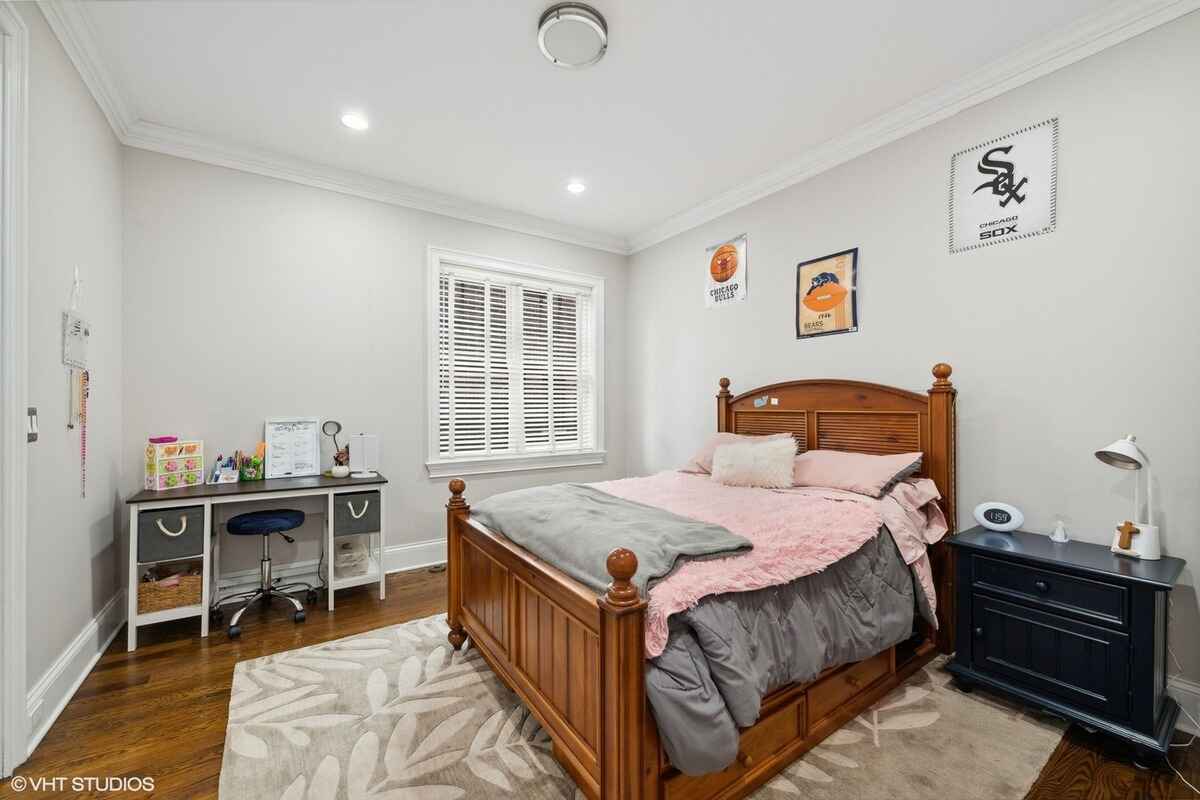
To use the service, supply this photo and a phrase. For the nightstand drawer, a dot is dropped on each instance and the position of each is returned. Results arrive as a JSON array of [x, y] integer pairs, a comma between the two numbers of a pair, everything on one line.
[[1098, 601], [1084, 665]]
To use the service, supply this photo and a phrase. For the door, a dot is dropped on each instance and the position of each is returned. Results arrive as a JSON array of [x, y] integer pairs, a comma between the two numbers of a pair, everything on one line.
[[1083, 665]]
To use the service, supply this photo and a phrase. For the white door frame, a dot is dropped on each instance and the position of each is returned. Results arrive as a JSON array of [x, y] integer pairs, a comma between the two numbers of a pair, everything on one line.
[[14, 375]]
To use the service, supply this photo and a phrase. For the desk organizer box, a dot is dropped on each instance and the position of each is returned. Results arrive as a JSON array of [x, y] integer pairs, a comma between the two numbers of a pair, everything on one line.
[[174, 465]]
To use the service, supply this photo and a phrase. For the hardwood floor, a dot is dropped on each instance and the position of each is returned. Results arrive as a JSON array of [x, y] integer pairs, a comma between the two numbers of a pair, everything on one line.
[[160, 712]]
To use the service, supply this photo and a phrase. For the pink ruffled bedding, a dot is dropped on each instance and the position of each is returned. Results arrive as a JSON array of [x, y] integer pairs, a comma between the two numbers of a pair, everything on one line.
[[795, 532]]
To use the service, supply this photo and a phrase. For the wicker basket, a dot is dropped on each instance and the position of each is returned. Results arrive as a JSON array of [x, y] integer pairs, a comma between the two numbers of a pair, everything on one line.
[[153, 596]]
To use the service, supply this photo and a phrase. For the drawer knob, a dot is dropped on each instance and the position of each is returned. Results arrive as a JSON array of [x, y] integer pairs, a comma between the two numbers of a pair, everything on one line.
[[172, 534], [744, 759], [357, 514], [979, 633], [1041, 586]]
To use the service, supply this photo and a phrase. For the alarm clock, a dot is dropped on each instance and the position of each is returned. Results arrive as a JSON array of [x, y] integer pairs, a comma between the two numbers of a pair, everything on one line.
[[999, 516]]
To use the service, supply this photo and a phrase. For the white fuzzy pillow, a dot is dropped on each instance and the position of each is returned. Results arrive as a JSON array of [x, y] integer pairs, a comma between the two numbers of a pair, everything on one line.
[[763, 463]]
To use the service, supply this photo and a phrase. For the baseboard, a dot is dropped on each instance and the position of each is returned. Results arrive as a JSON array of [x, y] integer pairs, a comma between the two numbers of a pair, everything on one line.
[[1187, 694], [245, 580], [414, 555], [50, 695], [397, 558]]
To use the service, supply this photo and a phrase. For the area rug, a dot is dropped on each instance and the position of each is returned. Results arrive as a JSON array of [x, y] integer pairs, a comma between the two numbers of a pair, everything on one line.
[[395, 714]]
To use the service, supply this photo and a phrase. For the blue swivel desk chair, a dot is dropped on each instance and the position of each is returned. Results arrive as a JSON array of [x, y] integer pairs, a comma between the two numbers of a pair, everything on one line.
[[265, 523]]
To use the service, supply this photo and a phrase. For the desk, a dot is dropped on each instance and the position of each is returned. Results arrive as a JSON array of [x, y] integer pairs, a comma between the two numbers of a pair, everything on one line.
[[196, 502]]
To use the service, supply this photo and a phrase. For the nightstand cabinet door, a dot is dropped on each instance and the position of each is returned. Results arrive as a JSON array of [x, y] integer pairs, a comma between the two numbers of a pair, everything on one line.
[[1084, 665]]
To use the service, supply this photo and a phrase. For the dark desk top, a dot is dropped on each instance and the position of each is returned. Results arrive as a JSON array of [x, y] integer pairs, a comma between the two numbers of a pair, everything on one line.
[[1080, 555], [207, 491]]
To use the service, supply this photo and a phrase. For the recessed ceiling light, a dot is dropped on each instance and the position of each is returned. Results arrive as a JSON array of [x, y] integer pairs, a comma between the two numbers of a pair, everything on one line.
[[355, 122], [576, 187], [572, 35]]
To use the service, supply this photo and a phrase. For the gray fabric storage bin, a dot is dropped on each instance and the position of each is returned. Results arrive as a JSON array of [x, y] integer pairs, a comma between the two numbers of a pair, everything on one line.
[[165, 534], [356, 512]]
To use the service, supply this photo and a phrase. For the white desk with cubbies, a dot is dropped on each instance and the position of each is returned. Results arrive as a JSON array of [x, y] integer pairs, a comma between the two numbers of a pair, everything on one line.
[[176, 525]]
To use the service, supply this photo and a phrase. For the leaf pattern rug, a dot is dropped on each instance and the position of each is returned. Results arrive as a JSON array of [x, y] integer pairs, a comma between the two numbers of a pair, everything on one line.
[[395, 714]]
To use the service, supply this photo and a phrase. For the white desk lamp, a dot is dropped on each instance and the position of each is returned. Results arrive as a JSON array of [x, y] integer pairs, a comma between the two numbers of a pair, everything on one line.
[[1137, 539]]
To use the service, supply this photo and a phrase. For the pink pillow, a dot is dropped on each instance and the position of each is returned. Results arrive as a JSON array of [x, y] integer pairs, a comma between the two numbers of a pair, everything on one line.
[[854, 472], [702, 462]]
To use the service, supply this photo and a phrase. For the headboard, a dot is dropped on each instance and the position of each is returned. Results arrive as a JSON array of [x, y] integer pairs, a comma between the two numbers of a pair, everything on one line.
[[864, 418]]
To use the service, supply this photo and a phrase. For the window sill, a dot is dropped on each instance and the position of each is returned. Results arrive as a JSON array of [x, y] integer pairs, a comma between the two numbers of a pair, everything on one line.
[[462, 467]]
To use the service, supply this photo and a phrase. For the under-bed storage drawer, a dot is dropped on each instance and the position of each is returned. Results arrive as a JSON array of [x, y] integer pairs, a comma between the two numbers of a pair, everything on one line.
[[827, 694], [166, 534], [758, 745], [355, 512]]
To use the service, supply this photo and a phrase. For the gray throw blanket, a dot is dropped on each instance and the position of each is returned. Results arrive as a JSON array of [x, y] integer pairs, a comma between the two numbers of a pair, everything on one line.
[[575, 527]]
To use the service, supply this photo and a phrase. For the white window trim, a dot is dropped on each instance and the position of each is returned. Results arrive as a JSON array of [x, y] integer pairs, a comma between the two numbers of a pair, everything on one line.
[[440, 257]]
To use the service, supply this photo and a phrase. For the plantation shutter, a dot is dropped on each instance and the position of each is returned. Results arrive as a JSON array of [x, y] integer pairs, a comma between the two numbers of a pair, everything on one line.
[[516, 367]]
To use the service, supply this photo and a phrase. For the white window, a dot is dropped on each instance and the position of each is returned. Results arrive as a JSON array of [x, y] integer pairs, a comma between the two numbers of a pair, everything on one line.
[[515, 368]]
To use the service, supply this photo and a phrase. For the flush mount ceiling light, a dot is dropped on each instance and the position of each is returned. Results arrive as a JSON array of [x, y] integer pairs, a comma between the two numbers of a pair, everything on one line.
[[572, 35], [355, 121], [576, 187]]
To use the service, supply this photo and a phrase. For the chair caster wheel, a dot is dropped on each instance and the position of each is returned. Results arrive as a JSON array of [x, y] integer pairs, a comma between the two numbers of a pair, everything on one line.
[[216, 616], [298, 616], [311, 597], [235, 631]]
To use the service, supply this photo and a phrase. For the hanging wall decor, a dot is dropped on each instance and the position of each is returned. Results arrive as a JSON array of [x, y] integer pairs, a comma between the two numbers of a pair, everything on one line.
[[827, 295], [1004, 189], [725, 274]]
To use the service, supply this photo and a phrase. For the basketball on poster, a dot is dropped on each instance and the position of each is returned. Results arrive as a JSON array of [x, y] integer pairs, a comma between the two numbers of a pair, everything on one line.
[[725, 272]]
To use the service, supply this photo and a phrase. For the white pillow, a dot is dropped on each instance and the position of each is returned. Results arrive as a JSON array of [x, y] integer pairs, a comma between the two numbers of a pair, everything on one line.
[[765, 463]]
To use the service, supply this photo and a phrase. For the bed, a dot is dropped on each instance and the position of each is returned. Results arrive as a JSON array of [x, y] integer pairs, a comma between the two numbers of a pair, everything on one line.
[[577, 658]]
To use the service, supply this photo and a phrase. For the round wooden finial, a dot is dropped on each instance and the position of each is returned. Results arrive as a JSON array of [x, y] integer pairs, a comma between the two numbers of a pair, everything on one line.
[[941, 372], [724, 383], [621, 565], [457, 487]]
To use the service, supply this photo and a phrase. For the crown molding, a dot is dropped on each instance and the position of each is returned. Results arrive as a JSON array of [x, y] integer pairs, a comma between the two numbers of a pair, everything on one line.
[[199, 147], [70, 23], [1088, 36]]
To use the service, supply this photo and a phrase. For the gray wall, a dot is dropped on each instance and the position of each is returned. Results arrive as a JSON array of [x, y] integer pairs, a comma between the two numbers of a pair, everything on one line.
[[74, 220], [1060, 343], [248, 298]]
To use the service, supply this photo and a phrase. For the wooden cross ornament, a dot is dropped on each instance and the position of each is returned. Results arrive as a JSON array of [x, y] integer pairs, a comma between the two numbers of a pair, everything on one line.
[[1127, 531]]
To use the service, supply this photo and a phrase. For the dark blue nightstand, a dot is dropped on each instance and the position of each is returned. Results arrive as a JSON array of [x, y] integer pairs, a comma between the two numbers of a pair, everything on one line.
[[1069, 627]]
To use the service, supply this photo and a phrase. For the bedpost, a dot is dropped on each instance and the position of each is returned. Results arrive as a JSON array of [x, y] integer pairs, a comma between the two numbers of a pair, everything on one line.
[[622, 682], [457, 511], [723, 406], [941, 469]]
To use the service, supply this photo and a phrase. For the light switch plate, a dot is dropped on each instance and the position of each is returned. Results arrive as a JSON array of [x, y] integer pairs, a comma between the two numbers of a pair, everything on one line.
[[31, 425]]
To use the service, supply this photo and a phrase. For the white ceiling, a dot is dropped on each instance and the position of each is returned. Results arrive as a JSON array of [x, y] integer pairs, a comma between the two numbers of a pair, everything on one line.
[[695, 100]]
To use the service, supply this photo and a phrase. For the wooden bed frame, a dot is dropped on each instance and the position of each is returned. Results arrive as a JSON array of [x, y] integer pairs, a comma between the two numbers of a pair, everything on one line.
[[577, 660]]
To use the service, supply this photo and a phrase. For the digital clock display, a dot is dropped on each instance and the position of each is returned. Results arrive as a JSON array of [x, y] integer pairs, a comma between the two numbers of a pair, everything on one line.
[[997, 516]]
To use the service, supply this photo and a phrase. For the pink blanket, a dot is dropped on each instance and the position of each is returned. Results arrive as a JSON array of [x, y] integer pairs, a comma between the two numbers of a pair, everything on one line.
[[795, 532]]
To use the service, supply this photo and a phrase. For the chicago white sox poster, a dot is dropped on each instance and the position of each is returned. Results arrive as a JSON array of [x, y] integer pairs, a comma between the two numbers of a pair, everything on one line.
[[1004, 189]]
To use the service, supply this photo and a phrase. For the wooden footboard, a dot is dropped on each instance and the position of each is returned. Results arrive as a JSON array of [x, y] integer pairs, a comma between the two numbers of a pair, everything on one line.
[[577, 660]]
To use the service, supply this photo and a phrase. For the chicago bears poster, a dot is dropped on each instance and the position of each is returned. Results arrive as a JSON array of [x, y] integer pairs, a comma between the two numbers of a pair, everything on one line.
[[827, 295]]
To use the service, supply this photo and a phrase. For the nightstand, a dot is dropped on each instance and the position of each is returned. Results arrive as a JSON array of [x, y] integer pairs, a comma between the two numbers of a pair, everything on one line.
[[1069, 627]]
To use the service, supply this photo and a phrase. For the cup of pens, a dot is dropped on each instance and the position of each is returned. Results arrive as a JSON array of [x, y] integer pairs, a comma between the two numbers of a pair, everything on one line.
[[250, 467]]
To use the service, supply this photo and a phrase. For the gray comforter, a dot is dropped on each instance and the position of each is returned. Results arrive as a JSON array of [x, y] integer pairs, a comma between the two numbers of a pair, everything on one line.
[[730, 650]]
